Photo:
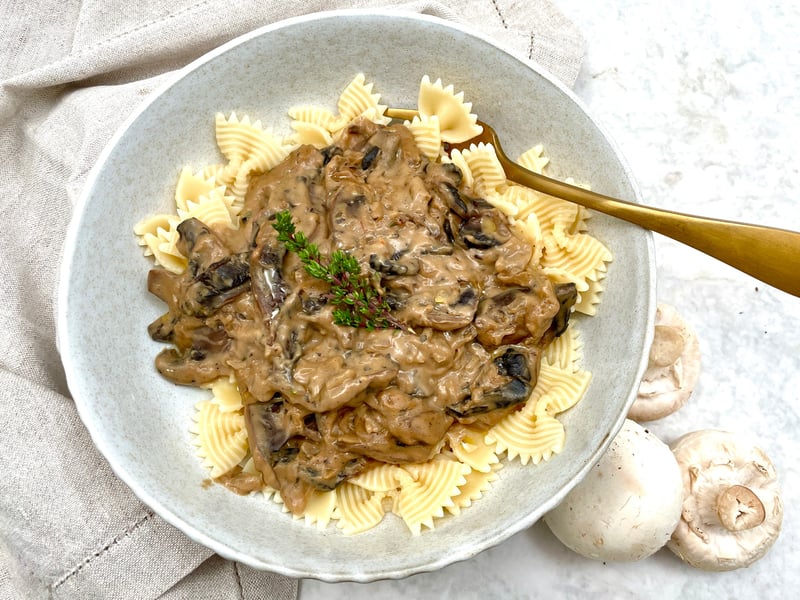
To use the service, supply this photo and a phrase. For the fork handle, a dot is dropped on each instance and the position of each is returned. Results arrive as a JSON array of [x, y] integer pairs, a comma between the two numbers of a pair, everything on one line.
[[769, 254]]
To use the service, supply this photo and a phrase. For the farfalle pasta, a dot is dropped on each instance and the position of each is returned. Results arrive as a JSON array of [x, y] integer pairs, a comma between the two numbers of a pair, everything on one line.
[[427, 134], [476, 484], [357, 509], [221, 438], [470, 455], [357, 100], [430, 491], [456, 121], [528, 436]]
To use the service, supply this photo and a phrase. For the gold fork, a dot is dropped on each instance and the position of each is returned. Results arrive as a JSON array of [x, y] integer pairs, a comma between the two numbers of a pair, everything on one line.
[[769, 254]]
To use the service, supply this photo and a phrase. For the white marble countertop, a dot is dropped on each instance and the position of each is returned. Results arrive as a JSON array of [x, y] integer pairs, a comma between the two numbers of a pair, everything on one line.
[[703, 98]]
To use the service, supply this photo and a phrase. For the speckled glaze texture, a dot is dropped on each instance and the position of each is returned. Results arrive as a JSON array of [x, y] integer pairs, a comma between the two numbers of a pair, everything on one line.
[[140, 422]]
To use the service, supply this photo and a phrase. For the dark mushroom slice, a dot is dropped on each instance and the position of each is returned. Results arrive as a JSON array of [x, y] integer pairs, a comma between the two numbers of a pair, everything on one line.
[[199, 245], [165, 285], [267, 282], [292, 456], [567, 295], [483, 231], [269, 426], [329, 152], [369, 158], [503, 383], [215, 275], [168, 287], [445, 180], [190, 368], [509, 315], [220, 283], [458, 203], [411, 420], [394, 144], [394, 267], [357, 135], [445, 307]]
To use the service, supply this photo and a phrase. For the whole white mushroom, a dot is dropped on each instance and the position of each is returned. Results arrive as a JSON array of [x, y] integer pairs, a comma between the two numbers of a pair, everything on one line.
[[673, 367], [628, 505], [732, 508]]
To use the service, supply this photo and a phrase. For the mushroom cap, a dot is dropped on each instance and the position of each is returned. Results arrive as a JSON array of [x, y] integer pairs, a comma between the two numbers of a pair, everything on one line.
[[672, 370], [732, 508], [627, 505]]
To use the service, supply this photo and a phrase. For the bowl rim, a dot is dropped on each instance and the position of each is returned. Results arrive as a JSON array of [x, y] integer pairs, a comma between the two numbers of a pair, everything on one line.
[[79, 213]]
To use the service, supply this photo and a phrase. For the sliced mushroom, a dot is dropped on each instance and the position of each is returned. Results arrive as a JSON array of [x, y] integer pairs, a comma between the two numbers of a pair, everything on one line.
[[673, 367], [217, 285], [567, 295], [732, 508], [482, 232], [394, 267], [505, 382], [200, 245], [267, 280]]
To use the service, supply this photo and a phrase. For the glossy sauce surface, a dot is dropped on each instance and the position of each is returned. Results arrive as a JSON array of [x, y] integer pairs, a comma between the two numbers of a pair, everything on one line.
[[323, 401]]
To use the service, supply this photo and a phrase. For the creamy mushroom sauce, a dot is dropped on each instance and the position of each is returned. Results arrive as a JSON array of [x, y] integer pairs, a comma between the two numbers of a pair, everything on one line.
[[323, 401]]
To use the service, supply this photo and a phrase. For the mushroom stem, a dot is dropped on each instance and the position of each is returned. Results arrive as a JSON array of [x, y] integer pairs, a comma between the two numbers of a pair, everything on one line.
[[738, 508]]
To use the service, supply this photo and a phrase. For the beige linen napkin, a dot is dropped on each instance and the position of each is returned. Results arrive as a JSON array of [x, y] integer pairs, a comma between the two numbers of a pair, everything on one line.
[[70, 73]]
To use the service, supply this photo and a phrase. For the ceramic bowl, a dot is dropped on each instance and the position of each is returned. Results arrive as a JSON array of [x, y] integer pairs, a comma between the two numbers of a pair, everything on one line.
[[140, 422]]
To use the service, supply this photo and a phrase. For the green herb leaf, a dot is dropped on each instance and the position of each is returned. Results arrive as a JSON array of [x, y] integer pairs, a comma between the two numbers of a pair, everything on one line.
[[358, 303]]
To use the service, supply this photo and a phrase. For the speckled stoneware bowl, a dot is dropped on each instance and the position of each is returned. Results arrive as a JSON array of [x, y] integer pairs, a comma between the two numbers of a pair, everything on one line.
[[140, 422]]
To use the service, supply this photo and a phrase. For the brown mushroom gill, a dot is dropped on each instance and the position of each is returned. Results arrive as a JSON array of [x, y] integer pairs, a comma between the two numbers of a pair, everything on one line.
[[325, 401]]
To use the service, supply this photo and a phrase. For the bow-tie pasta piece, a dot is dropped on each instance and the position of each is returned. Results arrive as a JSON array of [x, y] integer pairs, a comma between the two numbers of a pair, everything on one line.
[[382, 478], [319, 509], [477, 484], [242, 140], [358, 100], [314, 115], [534, 159], [357, 509], [488, 176], [581, 259], [226, 394], [221, 437], [159, 236], [432, 489], [427, 135], [309, 133], [191, 186], [456, 121], [470, 447], [557, 389], [216, 209], [529, 436], [248, 147], [565, 351]]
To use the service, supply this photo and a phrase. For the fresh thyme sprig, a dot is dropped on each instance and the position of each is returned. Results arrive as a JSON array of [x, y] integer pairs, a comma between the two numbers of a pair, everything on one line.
[[358, 303]]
